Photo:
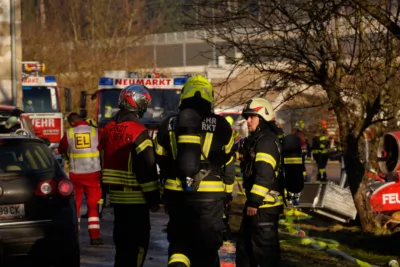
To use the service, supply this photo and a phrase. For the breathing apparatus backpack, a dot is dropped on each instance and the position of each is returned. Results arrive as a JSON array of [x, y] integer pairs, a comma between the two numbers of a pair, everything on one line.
[[192, 163]]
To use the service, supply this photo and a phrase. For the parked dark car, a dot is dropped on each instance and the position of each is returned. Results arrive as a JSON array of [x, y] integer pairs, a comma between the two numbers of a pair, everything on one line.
[[37, 211]]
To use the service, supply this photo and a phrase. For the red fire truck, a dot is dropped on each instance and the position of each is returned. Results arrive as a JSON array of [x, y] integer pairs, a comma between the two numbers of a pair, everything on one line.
[[41, 101], [165, 93]]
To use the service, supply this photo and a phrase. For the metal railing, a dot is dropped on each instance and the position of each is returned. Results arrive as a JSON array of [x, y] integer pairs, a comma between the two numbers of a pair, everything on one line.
[[176, 37]]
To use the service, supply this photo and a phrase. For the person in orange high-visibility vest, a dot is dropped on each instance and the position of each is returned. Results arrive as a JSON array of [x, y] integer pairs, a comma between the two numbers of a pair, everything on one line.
[[80, 144]]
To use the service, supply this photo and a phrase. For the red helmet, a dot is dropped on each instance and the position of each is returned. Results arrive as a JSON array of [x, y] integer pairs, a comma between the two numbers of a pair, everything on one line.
[[135, 97]]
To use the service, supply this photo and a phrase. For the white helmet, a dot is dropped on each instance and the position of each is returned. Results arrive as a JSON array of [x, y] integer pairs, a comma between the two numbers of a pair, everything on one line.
[[260, 107]]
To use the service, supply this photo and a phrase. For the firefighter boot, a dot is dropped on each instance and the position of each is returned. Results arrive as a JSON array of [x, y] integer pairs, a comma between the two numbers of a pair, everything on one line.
[[319, 176], [324, 177]]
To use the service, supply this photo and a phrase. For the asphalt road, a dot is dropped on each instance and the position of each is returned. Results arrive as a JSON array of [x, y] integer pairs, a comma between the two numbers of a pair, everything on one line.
[[157, 256]]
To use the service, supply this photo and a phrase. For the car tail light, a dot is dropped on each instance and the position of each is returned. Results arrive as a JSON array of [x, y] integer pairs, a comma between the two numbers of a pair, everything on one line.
[[45, 188], [62, 187], [65, 187]]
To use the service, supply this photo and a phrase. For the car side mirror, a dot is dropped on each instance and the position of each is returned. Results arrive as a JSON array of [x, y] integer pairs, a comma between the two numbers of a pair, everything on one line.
[[46, 141]]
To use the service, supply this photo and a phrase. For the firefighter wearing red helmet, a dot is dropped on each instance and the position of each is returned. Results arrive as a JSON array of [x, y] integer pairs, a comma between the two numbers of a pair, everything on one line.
[[80, 145], [259, 242], [130, 170], [194, 151]]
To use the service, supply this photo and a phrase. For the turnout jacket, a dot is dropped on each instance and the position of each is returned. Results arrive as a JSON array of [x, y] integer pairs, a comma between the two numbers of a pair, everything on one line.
[[129, 166], [216, 140], [261, 162]]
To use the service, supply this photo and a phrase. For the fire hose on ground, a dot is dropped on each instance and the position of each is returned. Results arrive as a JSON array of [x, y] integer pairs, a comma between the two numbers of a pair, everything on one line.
[[328, 245]]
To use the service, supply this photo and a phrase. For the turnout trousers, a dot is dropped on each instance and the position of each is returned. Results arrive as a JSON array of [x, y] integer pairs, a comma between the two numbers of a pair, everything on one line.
[[131, 234], [195, 233], [88, 183], [258, 243], [321, 164]]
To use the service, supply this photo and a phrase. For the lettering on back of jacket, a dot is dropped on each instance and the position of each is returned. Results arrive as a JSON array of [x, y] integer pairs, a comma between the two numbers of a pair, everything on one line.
[[117, 131], [209, 124]]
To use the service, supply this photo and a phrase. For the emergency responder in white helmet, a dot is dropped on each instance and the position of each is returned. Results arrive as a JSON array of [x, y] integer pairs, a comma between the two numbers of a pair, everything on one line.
[[129, 168], [80, 145], [259, 241], [194, 150]]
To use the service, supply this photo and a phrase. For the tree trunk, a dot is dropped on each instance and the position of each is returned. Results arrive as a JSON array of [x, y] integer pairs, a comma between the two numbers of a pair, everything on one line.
[[358, 185]]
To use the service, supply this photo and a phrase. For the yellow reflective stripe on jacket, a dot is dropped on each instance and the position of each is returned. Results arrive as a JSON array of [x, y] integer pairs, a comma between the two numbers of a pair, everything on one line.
[[228, 188], [173, 184], [260, 156], [119, 177], [269, 200], [323, 138], [296, 160], [127, 197], [179, 258], [272, 202], [174, 148], [84, 155], [229, 146], [146, 143], [211, 186], [118, 173], [207, 145], [315, 151], [238, 178], [189, 139], [259, 190], [229, 161], [159, 149], [149, 186]]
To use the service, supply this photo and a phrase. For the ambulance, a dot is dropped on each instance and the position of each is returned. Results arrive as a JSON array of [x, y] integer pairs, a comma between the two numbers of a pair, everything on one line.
[[41, 101], [164, 91]]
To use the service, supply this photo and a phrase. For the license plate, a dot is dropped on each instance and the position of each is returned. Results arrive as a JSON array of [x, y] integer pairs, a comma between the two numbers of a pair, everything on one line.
[[12, 211]]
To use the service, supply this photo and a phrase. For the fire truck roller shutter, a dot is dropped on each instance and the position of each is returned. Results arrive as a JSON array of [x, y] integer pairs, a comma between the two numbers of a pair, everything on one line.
[[388, 153]]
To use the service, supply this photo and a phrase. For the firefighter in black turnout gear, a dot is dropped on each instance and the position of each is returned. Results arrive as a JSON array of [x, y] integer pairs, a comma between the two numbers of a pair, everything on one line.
[[193, 151], [320, 150], [258, 244], [130, 172]]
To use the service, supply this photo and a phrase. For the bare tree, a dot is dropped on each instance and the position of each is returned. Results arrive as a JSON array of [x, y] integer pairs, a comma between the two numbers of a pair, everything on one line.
[[385, 12], [315, 46], [82, 39]]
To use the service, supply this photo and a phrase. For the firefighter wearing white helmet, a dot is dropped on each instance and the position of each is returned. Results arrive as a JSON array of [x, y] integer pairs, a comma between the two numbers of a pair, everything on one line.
[[193, 150], [264, 202]]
